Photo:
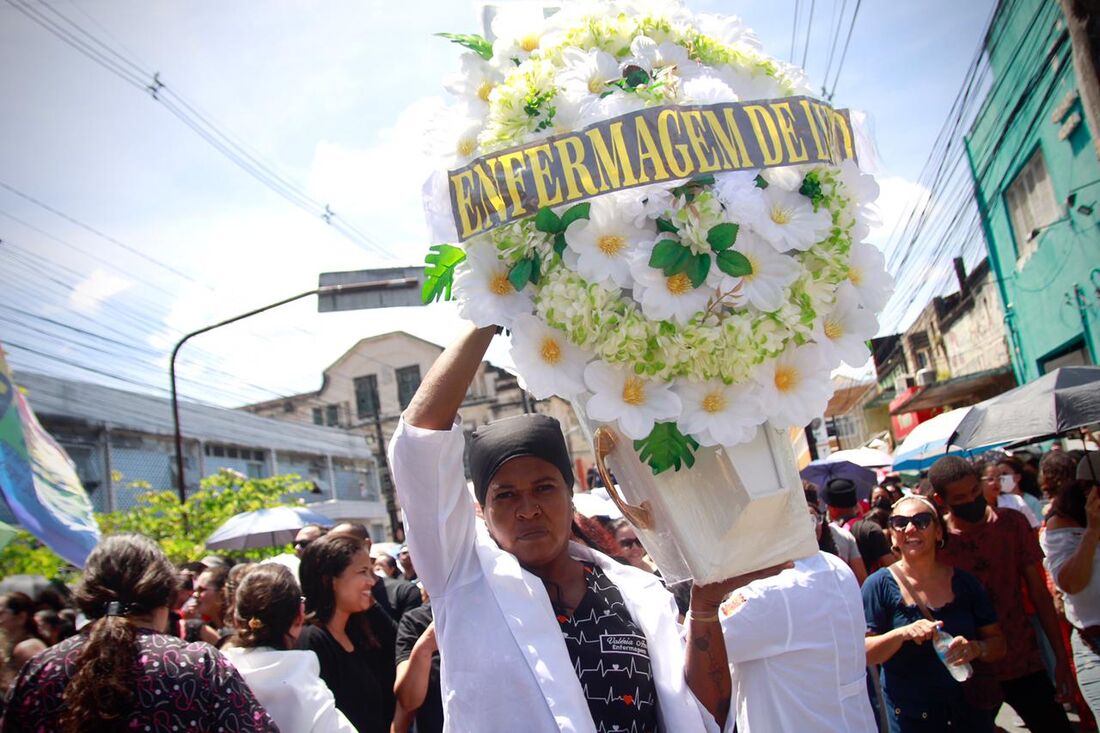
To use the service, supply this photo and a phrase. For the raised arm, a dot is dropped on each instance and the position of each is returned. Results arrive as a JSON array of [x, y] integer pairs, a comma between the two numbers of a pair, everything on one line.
[[443, 389]]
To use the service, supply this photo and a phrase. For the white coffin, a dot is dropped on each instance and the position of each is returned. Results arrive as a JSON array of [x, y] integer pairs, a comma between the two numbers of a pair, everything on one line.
[[738, 509]]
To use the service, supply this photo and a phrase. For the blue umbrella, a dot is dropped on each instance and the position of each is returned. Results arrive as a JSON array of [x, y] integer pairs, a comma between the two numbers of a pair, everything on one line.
[[264, 528], [823, 470]]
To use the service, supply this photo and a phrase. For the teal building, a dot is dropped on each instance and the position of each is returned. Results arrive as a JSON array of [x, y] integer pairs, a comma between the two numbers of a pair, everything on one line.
[[1037, 183]]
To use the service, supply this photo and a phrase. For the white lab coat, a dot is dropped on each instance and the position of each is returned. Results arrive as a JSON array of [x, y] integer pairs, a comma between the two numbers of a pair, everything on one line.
[[505, 666], [289, 686], [796, 653]]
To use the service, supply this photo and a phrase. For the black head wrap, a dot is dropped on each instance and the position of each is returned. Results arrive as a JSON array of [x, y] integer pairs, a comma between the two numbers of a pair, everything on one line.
[[493, 445], [840, 493]]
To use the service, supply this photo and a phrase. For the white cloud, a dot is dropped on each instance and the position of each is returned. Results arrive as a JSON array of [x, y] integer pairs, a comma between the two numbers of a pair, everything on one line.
[[95, 289]]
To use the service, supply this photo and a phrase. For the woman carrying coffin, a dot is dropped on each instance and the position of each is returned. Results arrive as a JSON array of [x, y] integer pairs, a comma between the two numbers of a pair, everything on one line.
[[578, 641]]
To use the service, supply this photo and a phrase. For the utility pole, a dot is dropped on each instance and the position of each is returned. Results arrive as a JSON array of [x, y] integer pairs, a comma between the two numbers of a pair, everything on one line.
[[385, 480], [1083, 22]]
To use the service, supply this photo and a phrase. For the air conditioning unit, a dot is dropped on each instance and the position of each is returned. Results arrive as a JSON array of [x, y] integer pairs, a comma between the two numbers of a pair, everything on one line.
[[904, 382], [926, 377]]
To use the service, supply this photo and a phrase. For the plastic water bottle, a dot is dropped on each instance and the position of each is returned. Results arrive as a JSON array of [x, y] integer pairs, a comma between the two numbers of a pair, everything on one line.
[[941, 641]]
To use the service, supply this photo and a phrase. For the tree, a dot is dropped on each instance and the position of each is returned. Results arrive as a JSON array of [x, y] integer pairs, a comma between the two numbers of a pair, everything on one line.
[[182, 530], [25, 555]]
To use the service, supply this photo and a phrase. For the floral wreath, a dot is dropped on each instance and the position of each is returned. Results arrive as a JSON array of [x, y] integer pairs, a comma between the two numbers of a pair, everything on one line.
[[688, 313]]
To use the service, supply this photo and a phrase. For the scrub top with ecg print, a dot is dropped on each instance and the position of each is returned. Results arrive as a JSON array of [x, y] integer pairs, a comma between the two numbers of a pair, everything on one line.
[[611, 658]]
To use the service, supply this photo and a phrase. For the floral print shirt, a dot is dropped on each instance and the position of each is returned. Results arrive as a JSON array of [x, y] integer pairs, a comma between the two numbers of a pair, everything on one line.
[[180, 687]]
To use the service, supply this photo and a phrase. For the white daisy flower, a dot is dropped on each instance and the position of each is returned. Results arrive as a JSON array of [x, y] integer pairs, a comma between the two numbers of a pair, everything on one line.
[[795, 388], [518, 32], [867, 273], [547, 362], [715, 413], [768, 285], [706, 89], [790, 222], [635, 402], [739, 194], [482, 289], [586, 73], [749, 86], [647, 54], [605, 241], [665, 298], [474, 82], [864, 190], [729, 29], [842, 332]]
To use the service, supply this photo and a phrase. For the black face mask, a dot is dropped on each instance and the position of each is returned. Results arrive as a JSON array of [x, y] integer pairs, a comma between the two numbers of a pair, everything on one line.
[[972, 511], [884, 504]]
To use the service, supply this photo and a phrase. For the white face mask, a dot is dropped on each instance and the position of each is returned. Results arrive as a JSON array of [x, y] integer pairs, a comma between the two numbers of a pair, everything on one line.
[[1008, 484]]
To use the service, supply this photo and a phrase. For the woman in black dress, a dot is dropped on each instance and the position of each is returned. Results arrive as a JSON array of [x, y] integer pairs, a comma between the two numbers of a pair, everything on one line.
[[337, 575]]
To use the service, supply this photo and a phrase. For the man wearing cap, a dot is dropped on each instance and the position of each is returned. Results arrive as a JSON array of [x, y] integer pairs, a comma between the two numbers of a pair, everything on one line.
[[537, 633], [874, 548]]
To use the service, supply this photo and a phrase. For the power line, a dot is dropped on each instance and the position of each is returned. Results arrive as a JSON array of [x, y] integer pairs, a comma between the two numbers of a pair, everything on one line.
[[837, 18], [844, 53], [809, 26], [102, 54], [794, 30]]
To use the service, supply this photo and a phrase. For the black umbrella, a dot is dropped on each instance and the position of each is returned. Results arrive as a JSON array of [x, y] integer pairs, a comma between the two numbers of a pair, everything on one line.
[[1063, 400]]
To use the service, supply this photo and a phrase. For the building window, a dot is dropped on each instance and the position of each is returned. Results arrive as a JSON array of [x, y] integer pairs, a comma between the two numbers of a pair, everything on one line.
[[1031, 204], [922, 359], [408, 380], [366, 396], [318, 416], [332, 415]]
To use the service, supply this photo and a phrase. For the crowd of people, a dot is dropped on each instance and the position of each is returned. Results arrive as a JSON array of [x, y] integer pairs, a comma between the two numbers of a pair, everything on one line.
[[926, 608]]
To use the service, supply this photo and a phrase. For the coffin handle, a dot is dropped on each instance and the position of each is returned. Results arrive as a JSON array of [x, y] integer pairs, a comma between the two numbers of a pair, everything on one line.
[[640, 516]]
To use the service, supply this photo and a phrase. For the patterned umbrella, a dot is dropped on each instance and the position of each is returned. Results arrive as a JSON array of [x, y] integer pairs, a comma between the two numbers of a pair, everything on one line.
[[264, 528], [822, 471]]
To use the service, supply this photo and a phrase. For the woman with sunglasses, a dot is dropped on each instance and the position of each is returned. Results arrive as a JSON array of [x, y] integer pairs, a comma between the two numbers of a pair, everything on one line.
[[906, 605], [270, 614]]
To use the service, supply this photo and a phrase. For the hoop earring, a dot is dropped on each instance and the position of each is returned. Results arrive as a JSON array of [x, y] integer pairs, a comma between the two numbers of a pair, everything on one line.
[[941, 544]]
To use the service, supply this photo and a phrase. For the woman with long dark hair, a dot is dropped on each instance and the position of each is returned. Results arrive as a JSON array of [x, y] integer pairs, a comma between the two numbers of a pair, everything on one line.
[[121, 672], [1070, 544], [270, 614], [20, 632], [337, 575]]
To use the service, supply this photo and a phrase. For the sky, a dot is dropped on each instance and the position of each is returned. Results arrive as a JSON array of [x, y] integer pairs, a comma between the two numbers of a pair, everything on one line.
[[122, 228]]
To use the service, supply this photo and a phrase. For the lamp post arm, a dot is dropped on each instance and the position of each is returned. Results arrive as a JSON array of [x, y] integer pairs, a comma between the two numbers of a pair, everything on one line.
[[180, 482]]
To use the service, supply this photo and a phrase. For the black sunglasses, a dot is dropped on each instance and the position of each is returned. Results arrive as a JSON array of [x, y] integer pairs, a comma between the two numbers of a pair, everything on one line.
[[631, 542], [922, 520]]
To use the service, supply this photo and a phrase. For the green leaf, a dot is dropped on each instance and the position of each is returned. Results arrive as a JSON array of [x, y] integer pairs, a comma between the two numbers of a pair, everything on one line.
[[559, 244], [667, 252], [520, 274], [441, 261], [722, 236], [664, 225], [761, 182], [547, 221], [481, 46], [698, 267], [536, 268], [666, 447], [811, 189], [635, 77], [580, 211], [734, 263]]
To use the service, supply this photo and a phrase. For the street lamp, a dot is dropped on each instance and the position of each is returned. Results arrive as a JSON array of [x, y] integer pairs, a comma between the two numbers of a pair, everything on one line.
[[382, 287]]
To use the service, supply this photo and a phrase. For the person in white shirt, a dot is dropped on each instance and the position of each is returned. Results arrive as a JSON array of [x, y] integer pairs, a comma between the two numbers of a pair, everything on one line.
[[795, 646], [538, 634], [996, 495], [286, 681]]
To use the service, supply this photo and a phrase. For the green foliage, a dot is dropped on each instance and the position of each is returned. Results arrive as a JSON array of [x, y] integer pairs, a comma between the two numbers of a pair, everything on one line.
[[182, 530], [811, 189], [670, 257], [548, 222], [697, 270], [734, 263], [689, 189], [578, 211], [722, 236], [441, 261], [25, 555], [521, 272], [481, 46], [666, 447], [664, 225]]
